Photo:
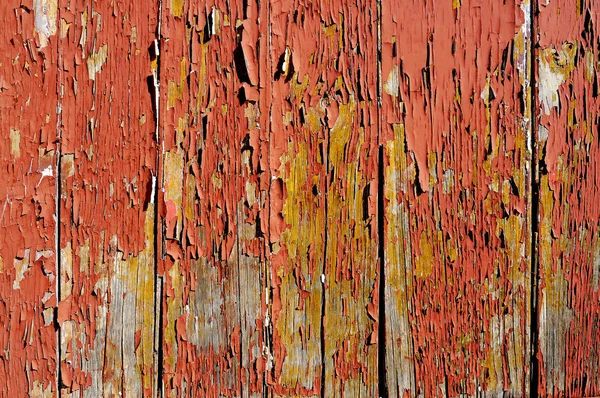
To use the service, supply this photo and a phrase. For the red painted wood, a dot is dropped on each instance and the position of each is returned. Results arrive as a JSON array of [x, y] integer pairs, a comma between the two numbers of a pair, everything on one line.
[[567, 136], [323, 223], [223, 212], [108, 160], [28, 116], [456, 104], [213, 184]]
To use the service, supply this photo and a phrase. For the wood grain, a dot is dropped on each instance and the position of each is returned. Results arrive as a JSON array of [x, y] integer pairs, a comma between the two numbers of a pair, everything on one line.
[[213, 183], [323, 154], [239, 198], [107, 209], [456, 111], [569, 249], [28, 157]]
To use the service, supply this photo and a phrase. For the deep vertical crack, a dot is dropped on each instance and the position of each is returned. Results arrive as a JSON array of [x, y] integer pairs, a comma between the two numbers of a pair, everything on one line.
[[382, 386], [59, 84], [535, 197], [158, 281], [381, 340]]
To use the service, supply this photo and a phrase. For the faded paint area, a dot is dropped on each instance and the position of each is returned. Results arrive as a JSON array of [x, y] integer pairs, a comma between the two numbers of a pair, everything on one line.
[[28, 152], [45, 13], [323, 224], [213, 183], [241, 184], [107, 212], [567, 137], [456, 113]]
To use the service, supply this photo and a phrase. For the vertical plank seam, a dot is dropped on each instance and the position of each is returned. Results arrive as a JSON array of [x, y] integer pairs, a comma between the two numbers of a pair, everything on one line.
[[158, 281], [265, 210], [267, 326], [382, 387], [535, 197], [381, 335], [323, 278], [324, 262], [58, 194]]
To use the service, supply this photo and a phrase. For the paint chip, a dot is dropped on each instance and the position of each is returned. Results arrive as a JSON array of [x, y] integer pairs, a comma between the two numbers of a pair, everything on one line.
[[392, 85], [15, 143], [45, 19], [96, 60]]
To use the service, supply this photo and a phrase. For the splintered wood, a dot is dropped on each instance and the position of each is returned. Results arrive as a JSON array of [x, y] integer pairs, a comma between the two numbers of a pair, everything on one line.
[[294, 198]]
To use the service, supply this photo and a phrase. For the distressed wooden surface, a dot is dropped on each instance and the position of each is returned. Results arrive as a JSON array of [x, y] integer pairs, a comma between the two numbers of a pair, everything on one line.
[[28, 107], [299, 198], [108, 163], [323, 220], [569, 247], [213, 195], [456, 108]]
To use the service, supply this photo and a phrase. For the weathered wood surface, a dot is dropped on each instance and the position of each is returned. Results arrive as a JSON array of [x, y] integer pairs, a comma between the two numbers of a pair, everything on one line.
[[28, 153], [567, 62], [456, 127], [299, 198], [323, 219], [106, 314], [213, 195]]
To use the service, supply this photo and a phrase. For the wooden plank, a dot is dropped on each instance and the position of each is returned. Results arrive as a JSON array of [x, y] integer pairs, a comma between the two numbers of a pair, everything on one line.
[[567, 65], [213, 184], [108, 166], [456, 111], [323, 223], [28, 153]]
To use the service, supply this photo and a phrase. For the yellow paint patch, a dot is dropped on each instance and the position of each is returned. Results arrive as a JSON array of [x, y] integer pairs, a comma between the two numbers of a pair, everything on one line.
[[424, 262], [175, 89], [15, 143], [67, 165], [173, 180], [177, 8], [340, 133], [64, 28], [96, 60]]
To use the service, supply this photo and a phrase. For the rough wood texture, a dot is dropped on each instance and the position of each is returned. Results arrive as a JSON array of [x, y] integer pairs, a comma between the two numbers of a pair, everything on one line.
[[567, 64], [28, 152], [245, 198], [456, 108], [108, 164], [213, 174], [323, 221]]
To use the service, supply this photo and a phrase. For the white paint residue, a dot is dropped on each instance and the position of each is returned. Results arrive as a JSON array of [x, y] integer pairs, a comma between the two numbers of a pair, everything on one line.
[[96, 60], [47, 172], [392, 85], [153, 189], [542, 133], [549, 82], [21, 266], [286, 61], [45, 19]]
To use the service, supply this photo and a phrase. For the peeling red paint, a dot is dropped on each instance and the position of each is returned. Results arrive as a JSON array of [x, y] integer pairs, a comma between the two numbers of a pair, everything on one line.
[[108, 160], [214, 179], [234, 176], [28, 79], [569, 250], [458, 196], [323, 152]]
